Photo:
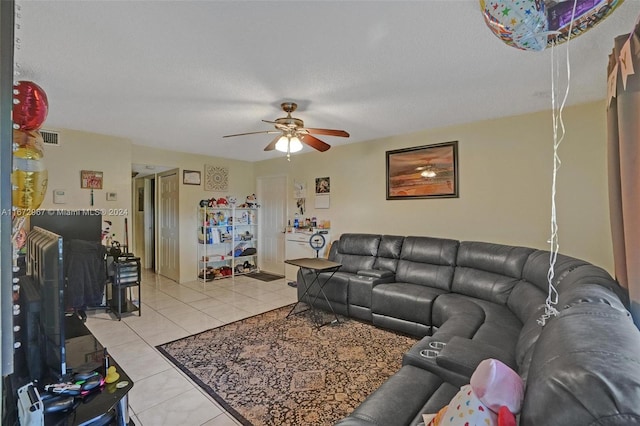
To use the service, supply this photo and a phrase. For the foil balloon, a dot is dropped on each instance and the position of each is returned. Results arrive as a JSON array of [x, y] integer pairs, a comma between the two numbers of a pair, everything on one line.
[[519, 23], [587, 14], [537, 24], [28, 144], [29, 177], [30, 105]]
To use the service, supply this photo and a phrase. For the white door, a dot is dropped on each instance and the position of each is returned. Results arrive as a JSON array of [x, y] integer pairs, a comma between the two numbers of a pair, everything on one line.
[[272, 196], [169, 255]]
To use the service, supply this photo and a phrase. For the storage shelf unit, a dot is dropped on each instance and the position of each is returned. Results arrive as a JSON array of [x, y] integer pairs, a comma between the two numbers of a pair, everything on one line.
[[126, 274], [227, 242]]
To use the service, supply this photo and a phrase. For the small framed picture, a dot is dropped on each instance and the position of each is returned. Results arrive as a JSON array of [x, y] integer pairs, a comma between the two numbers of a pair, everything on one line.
[[191, 177], [323, 185], [112, 196], [90, 179]]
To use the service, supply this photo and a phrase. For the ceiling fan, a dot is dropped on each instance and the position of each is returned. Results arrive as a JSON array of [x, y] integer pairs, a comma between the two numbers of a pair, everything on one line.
[[291, 133]]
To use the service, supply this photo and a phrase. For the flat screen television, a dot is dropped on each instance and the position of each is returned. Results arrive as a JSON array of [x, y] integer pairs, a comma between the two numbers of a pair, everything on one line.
[[45, 265], [70, 224]]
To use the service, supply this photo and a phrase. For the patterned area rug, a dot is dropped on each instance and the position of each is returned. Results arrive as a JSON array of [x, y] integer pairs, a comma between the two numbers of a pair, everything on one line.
[[272, 370]]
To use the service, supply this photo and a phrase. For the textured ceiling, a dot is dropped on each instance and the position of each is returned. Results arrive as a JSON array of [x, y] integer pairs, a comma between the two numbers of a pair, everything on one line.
[[180, 74]]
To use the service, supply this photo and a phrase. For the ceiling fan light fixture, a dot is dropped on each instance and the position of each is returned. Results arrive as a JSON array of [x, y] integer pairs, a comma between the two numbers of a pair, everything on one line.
[[288, 144], [295, 145], [283, 144]]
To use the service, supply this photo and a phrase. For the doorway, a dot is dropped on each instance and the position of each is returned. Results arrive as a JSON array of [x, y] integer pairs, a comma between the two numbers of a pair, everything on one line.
[[272, 195], [144, 223], [145, 212]]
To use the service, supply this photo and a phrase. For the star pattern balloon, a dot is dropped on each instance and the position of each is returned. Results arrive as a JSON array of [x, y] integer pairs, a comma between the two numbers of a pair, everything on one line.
[[519, 23], [537, 24]]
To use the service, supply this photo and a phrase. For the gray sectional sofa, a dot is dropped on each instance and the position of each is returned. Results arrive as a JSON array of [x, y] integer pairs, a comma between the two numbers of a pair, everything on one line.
[[483, 301]]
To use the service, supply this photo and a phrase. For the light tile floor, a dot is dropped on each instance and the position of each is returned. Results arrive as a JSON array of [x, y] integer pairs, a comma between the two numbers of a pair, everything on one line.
[[162, 394]]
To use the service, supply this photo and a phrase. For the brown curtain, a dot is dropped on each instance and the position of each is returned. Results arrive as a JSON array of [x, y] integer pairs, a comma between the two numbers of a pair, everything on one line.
[[623, 149]]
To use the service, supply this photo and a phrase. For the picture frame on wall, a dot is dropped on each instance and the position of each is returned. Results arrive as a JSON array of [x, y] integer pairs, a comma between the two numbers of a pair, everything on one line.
[[323, 185], [191, 177], [90, 179], [427, 171]]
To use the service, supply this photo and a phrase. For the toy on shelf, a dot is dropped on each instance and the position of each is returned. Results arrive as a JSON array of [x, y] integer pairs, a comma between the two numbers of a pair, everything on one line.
[[251, 202]]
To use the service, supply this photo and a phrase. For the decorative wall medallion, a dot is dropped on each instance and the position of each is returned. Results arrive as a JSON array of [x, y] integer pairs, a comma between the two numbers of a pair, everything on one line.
[[216, 178]]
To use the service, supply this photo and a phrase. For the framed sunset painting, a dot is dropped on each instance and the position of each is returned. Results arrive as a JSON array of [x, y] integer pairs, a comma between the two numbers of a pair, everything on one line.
[[428, 171]]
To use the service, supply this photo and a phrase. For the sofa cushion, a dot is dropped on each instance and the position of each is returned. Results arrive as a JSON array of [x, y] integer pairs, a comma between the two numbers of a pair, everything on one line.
[[585, 369], [427, 261], [450, 306], [537, 266], [441, 397], [388, 253], [497, 258], [356, 251], [463, 356], [398, 401], [591, 274], [584, 292], [526, 300], [360, 244], [488, 271], [411, 328], [501, 336], [404, 301], [528, 337], [481, 284]]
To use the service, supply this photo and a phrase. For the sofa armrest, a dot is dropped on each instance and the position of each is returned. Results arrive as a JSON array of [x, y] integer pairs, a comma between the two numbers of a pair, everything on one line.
[[463, 355], [376, 273]]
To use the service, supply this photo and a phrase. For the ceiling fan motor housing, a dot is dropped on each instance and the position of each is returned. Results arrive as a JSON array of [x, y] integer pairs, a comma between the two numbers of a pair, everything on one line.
[[290, 122]]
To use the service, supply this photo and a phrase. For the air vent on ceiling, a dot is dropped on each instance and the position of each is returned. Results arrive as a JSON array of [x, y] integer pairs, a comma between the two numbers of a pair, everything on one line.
[[50, 138]]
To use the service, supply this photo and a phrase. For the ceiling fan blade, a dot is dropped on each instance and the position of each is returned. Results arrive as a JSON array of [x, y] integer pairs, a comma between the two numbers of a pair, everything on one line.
[[272, 144], [315, 143], [251, 133], [328, 132]]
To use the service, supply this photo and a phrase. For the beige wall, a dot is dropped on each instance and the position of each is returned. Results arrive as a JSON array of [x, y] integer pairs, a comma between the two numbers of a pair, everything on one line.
[[505, 181], [504, 184], [114, 156], [89, 151]]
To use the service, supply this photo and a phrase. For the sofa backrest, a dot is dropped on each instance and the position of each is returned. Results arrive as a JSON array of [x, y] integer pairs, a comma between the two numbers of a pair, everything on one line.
[[537, 266], [389, 253], [584, 368], [488, 271], [591, 274], [574, 279], [427, 261], [355, 252]]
